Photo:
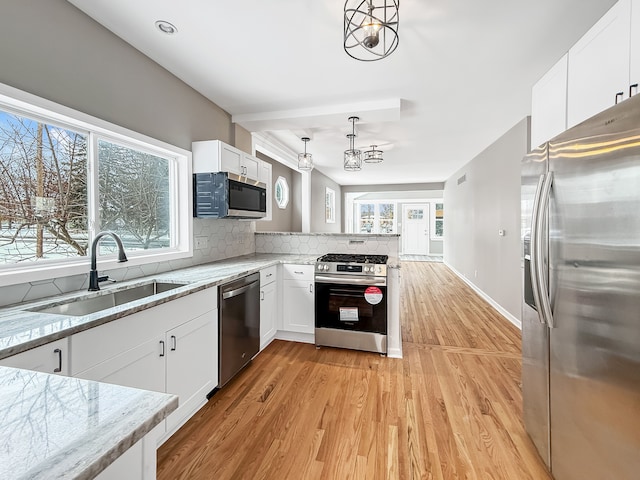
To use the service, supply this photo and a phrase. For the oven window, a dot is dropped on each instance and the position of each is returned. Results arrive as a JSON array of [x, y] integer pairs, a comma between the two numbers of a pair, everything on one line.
[[351, 307]]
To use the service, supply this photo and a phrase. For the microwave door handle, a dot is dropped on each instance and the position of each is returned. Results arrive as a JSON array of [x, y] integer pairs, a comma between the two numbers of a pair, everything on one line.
[[545, 302], [533, 271]]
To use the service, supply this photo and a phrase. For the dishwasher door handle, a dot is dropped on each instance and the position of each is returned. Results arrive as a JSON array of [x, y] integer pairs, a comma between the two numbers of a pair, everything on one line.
[[237, 291]]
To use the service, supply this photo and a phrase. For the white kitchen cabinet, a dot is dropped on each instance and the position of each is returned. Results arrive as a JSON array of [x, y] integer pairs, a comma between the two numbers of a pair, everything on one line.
[[599, 65], [217, 156], [192, 365], [268, 305], [265, 177], [50, 358], [298, 298], [170, 348], [634, 64], [549, 104], [142, 366]]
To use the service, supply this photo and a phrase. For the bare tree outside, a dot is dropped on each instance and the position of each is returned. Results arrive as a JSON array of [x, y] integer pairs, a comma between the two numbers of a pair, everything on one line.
[[44, 198], [43, 203]]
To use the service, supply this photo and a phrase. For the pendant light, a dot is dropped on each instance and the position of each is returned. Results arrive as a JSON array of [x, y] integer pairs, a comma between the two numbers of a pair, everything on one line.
[[373, 155], [305, 160], [352, 159], [370, 28]]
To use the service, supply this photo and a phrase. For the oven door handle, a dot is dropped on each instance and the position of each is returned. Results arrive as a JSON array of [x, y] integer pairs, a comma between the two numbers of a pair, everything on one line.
[[351, 280]]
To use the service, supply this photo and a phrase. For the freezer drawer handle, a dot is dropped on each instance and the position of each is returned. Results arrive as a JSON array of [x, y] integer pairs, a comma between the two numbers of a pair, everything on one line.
[[545, 303]]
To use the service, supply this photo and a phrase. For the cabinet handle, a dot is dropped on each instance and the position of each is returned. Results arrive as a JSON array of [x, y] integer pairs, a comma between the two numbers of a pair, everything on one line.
[[261, 294], [269, 275], [174, 343], [619, 96], [631, 89], [299, 273], [59, 352], [162, 343], [311, 288]]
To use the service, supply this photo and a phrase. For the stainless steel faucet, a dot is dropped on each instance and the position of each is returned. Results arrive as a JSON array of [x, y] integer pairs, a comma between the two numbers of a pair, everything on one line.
[[93, 273]]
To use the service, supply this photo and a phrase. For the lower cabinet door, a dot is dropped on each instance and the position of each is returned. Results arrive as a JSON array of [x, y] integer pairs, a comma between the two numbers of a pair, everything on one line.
[[192, 365], [268, 306], [297, 306], [140, 367], [50, 358]]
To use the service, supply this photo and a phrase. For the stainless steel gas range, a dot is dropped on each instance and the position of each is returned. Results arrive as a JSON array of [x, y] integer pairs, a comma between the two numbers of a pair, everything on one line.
[[351, 302]]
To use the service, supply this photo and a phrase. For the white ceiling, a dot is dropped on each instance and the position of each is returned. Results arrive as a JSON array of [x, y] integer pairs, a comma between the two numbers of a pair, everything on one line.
[[460, 78]]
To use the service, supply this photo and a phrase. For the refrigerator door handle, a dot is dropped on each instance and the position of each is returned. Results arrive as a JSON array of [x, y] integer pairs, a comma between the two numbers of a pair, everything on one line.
[[543, 292], [535, 212]]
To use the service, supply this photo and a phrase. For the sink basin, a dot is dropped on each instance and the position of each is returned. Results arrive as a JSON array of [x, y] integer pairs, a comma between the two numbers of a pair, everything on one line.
[[85, 306]]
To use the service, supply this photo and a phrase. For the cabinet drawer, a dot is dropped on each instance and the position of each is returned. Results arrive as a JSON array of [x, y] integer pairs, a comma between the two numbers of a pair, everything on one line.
[[268, 275], [298, 272]]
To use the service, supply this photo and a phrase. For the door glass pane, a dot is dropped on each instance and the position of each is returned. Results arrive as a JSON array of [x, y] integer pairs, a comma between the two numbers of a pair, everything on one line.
[[134, 197], [415, 214]]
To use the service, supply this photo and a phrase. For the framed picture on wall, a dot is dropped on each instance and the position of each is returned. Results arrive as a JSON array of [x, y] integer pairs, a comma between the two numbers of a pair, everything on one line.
[[330, 205]]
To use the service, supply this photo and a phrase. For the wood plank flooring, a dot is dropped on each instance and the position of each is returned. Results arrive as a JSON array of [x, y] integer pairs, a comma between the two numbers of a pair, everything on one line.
[[450, 409]]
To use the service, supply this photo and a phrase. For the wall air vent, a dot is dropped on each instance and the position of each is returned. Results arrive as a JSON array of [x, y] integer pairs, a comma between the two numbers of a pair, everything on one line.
[[462, 179]]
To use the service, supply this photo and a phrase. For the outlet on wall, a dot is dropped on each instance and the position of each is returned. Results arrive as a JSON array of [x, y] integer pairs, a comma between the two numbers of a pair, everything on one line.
[[201, 242]]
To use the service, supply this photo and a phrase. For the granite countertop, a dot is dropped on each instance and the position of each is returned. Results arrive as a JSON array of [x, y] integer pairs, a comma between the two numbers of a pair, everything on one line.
[[22, 329], [61, 427]]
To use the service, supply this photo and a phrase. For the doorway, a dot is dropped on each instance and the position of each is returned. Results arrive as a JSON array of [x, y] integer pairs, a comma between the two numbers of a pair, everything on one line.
[[415, 229]]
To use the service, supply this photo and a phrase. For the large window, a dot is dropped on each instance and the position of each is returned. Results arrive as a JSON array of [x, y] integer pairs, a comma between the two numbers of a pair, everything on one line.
[[63, 181], [376, 217]]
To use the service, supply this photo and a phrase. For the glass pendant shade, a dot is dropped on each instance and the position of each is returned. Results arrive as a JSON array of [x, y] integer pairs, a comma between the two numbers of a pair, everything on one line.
[[373, 155], [305, 160], [352, 160]]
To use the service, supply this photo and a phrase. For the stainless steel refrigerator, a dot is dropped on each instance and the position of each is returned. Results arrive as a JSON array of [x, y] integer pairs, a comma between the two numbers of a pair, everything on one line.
[[581, 308]]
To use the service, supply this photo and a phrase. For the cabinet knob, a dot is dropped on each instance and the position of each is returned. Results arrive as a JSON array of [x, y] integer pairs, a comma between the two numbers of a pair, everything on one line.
[[619, 96]]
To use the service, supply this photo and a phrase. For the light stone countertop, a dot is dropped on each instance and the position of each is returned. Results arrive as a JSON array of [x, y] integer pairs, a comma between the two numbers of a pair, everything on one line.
[[21, 329], [54, 427]]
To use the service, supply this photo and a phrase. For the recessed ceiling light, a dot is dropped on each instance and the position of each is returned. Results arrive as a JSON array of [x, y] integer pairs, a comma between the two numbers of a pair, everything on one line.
[[166, 27]]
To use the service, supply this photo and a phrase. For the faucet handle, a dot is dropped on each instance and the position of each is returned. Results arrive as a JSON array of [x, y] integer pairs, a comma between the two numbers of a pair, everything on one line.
[[105, 278]]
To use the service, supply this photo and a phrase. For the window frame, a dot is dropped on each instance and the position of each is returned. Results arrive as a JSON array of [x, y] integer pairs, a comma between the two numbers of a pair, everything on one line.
[[284, 186], [434, 220], [330, 205], [375, 230], [37, 108]]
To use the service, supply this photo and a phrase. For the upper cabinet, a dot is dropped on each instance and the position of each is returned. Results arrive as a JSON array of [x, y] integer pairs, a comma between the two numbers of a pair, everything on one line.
[[600, 64], [217, 156], [549, 104]]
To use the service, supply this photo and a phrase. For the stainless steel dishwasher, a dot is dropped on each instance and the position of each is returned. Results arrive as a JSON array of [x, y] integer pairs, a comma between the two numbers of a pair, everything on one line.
[[239, 324]]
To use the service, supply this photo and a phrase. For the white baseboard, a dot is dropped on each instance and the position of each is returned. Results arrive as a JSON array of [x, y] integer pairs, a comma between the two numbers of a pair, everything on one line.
[[394, 353], [486, 297], [296, 337]]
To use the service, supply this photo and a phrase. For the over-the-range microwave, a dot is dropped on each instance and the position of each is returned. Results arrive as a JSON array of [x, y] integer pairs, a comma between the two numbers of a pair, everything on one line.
[[227, 195]]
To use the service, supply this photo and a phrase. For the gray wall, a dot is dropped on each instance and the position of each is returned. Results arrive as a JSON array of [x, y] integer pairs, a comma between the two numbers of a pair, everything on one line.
[[282, 219], [319, 182], [53, 50], [489, 200]]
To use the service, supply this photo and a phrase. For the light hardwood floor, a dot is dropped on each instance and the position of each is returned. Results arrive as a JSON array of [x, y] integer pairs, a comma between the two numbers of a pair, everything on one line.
[[450, 409]]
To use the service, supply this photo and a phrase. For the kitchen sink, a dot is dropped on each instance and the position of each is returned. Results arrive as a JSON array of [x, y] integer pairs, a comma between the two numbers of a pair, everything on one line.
[[84, 306]]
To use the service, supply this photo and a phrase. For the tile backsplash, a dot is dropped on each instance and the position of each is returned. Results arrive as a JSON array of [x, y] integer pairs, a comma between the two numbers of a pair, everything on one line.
[[321, 243], [213, 240]]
